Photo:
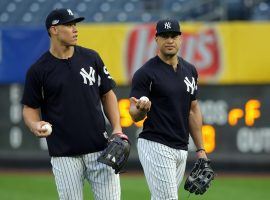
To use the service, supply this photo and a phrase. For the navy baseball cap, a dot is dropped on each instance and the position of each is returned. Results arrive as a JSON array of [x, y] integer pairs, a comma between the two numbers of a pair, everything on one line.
[[167, 26], [61, 16]]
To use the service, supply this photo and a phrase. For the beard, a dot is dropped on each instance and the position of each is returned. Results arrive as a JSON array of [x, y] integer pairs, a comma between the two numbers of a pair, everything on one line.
[[169, 54]]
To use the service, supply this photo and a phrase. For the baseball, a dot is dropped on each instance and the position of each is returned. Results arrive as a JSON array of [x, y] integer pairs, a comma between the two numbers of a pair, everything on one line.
[[144, 98], [48, 128]]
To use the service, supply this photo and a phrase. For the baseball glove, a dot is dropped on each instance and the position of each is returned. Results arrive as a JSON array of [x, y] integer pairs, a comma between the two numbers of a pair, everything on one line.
[[200, 177], [116, 153]]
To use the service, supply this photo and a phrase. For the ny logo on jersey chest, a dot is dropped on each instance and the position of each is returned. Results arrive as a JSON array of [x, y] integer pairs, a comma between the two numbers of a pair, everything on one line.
[[191, 85], [88, 77]]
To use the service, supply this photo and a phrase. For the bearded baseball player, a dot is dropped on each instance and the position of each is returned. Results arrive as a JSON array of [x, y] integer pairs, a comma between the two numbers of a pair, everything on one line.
[[66, 88], [165, 90]]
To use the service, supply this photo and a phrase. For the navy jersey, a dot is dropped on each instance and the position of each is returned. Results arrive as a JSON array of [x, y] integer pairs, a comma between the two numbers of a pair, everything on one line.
[[68, 92], [171, 93]]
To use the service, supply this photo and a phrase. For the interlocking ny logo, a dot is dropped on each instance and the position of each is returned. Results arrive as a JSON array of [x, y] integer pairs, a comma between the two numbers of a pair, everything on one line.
[[70, 12], [167, 25], [191, 86], [88, 76]]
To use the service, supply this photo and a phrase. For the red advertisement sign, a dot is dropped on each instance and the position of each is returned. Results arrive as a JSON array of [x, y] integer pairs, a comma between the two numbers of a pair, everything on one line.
[[201, 48]]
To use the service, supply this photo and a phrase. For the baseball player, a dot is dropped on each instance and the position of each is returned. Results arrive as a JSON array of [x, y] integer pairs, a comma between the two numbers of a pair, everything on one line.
[[66, 88], [164, 89]]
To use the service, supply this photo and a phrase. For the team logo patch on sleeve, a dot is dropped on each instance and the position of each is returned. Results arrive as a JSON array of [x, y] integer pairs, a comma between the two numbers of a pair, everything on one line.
[[107, 72]]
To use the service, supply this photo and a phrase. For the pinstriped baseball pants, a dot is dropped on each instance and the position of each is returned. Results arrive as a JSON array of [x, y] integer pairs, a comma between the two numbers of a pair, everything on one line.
[[70, 172], [163, 167]]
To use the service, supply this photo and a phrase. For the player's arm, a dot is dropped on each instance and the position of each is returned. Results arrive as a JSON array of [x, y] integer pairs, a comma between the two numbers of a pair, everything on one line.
[[195, 127], [33, 121], [110, 105], [138, 108]]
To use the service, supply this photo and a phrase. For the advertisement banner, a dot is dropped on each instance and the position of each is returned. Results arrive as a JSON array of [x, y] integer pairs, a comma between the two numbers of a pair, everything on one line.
[[223, 53]]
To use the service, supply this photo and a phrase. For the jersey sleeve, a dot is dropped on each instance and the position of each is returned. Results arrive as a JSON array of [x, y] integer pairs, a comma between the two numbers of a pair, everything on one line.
[[105, 81], [32, 94], [141, 84], [195, 74]]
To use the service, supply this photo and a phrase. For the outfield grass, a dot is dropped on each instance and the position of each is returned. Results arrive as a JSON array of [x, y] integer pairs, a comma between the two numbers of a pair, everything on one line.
[[27, 186]]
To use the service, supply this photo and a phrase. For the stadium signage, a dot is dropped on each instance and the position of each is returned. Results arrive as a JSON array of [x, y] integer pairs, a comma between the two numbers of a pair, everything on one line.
[[201, 48]]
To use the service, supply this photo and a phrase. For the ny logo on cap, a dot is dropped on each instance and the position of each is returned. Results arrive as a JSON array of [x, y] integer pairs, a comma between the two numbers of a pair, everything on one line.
[[70, 12], [167, 25]]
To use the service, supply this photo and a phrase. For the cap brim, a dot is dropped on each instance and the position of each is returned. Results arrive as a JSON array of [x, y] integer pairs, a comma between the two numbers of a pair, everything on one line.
[[76, 20], [179, 32]]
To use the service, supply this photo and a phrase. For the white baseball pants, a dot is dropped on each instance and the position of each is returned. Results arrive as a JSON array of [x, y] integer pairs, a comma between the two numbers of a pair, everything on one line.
[[163, 167], [70, 172]]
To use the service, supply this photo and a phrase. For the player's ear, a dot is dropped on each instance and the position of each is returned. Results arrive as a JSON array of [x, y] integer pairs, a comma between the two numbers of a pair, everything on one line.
[[53, 30]]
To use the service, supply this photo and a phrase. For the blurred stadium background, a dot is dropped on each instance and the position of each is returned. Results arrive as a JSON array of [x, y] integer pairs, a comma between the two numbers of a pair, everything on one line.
[[227, 40]]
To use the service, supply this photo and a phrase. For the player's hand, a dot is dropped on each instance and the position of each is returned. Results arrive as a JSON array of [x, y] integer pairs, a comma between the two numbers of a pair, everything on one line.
[[142, 105], [201, 154], [38, 130], [121, 135]]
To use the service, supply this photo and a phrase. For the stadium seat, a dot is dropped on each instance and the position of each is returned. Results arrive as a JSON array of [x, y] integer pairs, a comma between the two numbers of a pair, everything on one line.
[[33, 12], [261, 12]]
